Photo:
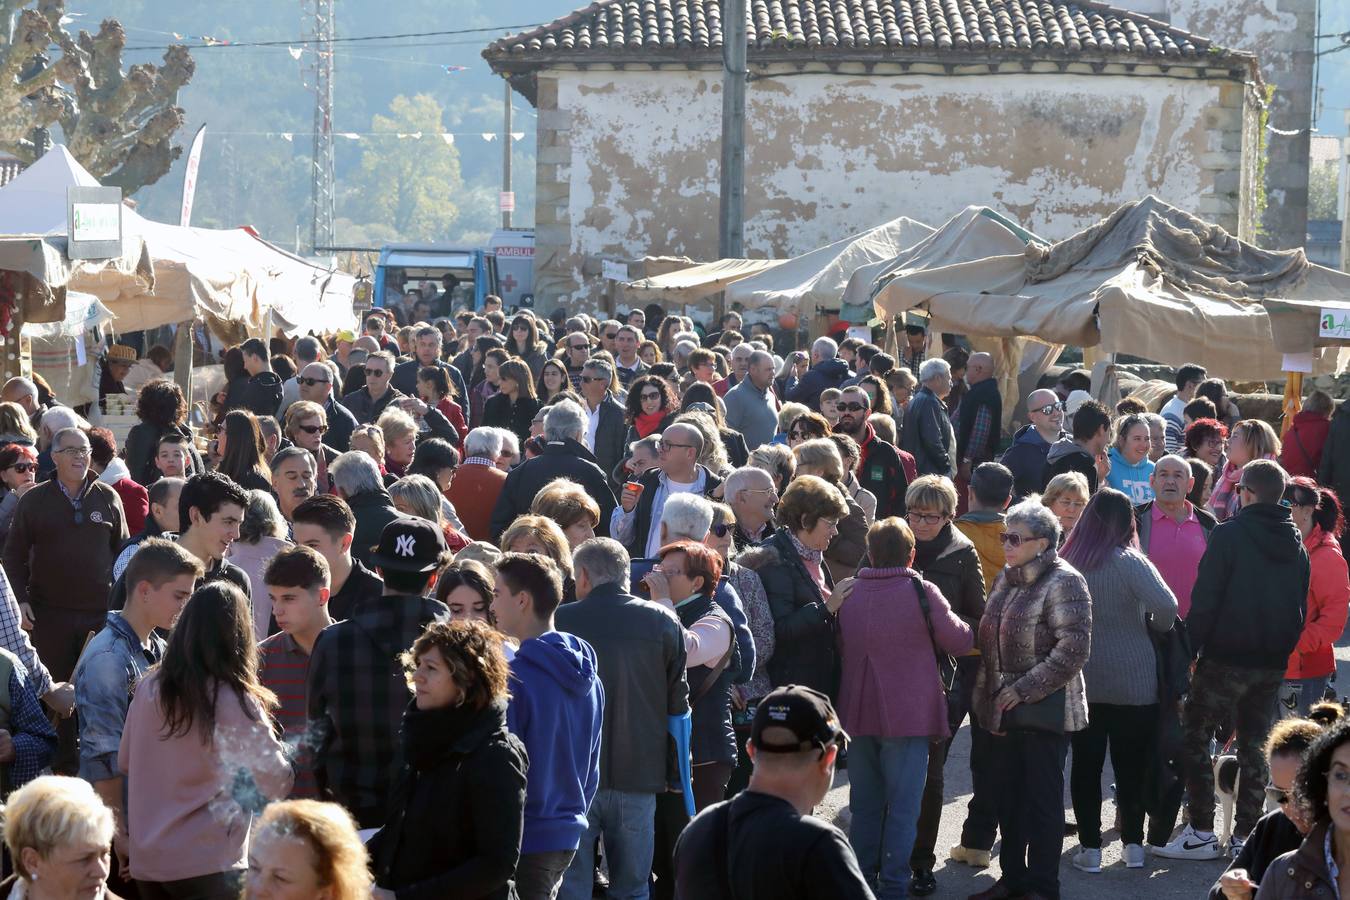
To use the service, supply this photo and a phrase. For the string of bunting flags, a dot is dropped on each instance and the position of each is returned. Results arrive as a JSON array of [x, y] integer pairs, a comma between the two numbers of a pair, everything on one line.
[[447, 136]]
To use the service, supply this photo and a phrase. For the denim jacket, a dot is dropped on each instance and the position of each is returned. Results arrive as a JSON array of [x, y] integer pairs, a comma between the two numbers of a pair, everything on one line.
[[110, 667]]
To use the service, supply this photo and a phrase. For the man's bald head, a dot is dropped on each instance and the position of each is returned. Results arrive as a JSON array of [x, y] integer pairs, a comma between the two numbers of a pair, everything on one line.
[[980, 367]]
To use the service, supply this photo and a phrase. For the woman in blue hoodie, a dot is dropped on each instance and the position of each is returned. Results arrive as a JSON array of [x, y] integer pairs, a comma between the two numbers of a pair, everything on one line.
[[1131, 468]]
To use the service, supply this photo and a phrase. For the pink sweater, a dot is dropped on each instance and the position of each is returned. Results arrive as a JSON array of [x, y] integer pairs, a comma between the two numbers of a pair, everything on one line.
[[183, 796], [890, 685]]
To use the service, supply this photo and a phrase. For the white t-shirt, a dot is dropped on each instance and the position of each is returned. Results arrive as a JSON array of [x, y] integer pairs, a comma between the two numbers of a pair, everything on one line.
[[654, 534]]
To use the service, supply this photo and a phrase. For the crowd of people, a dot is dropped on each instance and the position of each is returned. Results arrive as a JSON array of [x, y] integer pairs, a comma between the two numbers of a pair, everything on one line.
[[506, 606]]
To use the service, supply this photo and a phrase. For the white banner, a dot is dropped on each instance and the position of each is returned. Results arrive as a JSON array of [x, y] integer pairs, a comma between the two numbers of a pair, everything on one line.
[[194, 161]]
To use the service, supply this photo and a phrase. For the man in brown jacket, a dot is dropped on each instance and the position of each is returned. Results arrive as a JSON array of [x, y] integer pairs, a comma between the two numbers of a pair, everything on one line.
[[59, 558]]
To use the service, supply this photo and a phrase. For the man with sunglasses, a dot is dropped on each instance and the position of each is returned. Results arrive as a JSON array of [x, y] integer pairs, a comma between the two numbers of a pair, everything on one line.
[[1026, 457], [1247, 611], [370, 401], [576, 350], [883, 468], [764, 843], [606, 425], [59, 555], [316, 386]]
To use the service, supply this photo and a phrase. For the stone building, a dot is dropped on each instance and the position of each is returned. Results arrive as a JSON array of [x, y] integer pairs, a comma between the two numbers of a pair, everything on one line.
[[859, 111]]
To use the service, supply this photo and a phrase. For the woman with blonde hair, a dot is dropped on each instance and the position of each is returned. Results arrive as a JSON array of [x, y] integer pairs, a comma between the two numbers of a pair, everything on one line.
[[307, 850], [1066, 495], [820, 457], [418, 496], [568, 504], [15, 427], [59, 835], [400, 440], [538, 534], [1248, 440]]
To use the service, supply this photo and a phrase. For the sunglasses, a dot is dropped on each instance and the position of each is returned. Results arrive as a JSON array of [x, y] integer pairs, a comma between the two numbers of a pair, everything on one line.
[[375, 373], [578, 346], [310, 382], [1012, 539], [24, 468], [1049, 408], [588, 379], [650, 395], [610, 337], [313, 429], [721, 531], [850, 407], [1278, 796]]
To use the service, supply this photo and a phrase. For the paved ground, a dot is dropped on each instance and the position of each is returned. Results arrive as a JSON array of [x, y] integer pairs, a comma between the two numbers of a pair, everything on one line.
[[1160, 878]]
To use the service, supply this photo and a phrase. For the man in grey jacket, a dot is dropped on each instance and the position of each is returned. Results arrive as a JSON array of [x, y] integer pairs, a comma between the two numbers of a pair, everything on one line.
[[927, 432], [640, 650], [752, 409]]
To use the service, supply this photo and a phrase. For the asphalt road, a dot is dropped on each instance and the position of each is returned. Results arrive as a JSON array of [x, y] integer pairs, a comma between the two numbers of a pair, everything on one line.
[[1160, 878]]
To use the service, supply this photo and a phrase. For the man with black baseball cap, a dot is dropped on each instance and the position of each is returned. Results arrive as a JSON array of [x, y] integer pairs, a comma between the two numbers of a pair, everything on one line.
[[764, 843], [357, 689]]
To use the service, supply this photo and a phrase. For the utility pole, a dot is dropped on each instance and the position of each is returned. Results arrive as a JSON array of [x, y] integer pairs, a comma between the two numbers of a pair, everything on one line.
[[731, 214], [320, 31], [506, 152]]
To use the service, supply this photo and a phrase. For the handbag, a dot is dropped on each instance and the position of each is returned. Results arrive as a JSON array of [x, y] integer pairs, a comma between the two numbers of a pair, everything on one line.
[[1045, 715], [946, 666]]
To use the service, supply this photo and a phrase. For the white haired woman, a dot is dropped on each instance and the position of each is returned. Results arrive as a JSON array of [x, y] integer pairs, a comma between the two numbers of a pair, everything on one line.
[[59, 835], [1033, 641]]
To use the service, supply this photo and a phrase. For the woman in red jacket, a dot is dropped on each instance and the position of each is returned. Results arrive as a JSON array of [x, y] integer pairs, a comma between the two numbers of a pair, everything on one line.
[[1301, 450], [1317, 513]]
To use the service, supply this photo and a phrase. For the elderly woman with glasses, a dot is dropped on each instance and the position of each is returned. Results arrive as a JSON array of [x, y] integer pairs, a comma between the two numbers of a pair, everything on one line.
[[821, 458], [1033, 642], [1066, 495], [803, 596]]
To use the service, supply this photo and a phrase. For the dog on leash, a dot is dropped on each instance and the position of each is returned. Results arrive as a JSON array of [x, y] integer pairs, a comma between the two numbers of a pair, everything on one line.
[[1225, 788]]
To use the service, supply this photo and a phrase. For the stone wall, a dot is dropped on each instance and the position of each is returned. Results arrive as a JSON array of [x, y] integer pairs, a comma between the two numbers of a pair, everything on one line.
[[628, 159]]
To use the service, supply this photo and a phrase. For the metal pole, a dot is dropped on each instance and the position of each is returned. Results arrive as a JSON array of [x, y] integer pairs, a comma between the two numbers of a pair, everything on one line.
[[731, 219], [506, 151]]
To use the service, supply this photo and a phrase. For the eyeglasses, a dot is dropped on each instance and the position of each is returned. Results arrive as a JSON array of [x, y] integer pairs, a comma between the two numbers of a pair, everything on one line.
[[588, 379], [850, 407], [578, 346], [799, 434], [611, 336], [24, 468], [77, 452], [375, 373], [313, 429], [664, 445], [1013, 539], [1278, 796], [310, 382], [650, 395], [1243, 487], [1048, 409], [721, 531], [927, 519]]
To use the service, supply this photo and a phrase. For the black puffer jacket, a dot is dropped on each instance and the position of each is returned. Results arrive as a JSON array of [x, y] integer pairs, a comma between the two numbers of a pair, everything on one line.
[[956, 572], [262, 394], [458, 811], [804, 629]]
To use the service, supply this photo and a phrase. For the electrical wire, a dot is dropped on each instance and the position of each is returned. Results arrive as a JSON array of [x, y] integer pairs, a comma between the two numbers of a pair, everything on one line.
[[214, 44]]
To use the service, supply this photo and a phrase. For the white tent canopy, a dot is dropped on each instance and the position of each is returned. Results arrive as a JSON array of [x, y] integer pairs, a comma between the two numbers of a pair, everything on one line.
[[816, 280], [1150, 280], [229, 275], [684, 286]]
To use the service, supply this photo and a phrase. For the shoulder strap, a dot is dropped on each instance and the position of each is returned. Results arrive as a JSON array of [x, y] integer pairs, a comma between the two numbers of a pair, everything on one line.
[[932, 637], [1301, 449], [718, 669]]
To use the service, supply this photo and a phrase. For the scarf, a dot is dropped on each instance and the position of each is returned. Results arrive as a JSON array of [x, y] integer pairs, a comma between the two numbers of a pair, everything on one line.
[[646, 423], [927, 552], [429, 734], [811, 559]]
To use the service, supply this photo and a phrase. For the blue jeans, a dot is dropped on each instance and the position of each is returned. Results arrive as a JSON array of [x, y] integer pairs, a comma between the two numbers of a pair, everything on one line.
[[886, 778], [628, 823]]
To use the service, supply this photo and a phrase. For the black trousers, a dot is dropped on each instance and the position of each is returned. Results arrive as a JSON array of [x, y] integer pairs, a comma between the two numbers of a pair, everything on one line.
[[1130, 733], [1029, 781], [981, 825]]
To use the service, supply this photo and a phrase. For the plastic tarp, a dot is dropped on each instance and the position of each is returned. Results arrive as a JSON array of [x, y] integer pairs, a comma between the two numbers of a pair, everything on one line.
[[696, 282], [1149, 280], [225, 275], [816, 280]]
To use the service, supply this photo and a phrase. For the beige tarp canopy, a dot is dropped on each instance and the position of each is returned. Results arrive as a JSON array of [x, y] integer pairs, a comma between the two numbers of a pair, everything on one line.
[[1149, 280], [816, 280], [166, 274], [689, 285]]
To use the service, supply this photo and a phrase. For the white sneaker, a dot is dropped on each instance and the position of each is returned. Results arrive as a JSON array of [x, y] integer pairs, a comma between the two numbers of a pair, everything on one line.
[[1235, 846], [1087, 860], [1190, 845], [1134, 856]]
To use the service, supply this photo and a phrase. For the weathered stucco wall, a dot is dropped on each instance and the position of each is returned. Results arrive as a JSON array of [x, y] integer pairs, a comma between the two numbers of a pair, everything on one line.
[[629, 160]]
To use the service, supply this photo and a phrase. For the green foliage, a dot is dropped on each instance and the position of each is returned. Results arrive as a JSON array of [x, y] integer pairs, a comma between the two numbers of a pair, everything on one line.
[[408, 184], [1322, 186]]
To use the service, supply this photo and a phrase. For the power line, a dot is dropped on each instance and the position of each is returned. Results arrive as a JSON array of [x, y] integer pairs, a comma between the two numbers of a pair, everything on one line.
[[212, 43]]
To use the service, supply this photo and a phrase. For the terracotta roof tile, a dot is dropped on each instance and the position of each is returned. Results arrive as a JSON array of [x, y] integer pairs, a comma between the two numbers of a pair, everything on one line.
[[943, 28]]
